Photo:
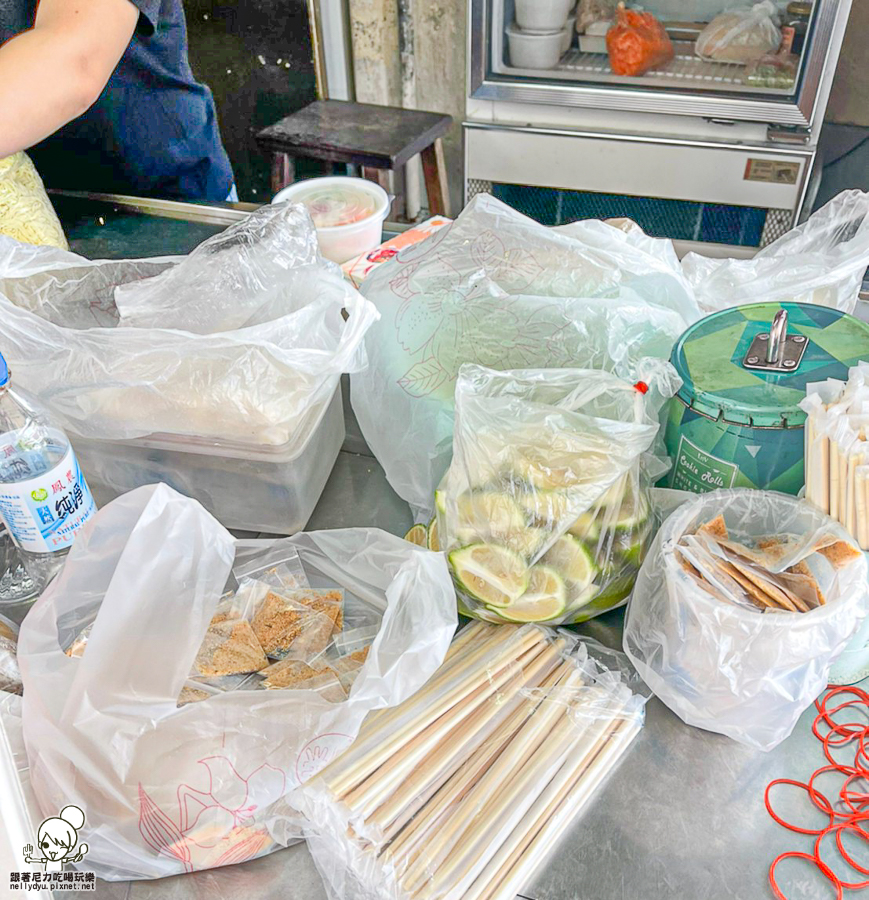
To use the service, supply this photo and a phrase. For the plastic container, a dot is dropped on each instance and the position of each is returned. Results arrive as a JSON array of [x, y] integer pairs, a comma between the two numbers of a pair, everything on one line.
[[250, 488], [535, 51], [570, 31], [734, 426], [542, 15], [348, 213]]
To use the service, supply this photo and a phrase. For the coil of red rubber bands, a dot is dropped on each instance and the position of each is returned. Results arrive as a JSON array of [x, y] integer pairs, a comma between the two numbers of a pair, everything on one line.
[[852, 812]]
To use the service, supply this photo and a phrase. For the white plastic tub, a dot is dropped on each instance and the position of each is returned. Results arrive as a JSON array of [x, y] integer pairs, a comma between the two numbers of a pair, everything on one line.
[[270, 489], [535, 51], [348, 213], [542, 15]]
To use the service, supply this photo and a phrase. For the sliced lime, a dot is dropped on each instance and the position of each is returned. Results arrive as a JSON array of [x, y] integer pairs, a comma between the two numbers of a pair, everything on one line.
[[489, 512], [493, 575], [545, 598], [545, 507], [572, 558], [610, 596], [418, 535], [434, 542], [631, 515], [440, 499], [526, 542], [633, 547], [616, 495], [546, 477], [587, 527]]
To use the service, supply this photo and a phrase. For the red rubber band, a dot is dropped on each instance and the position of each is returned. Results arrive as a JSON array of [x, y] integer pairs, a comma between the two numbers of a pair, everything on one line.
[[810, 791], [642, 387], [837, 829], [823, 868], [854, 865]]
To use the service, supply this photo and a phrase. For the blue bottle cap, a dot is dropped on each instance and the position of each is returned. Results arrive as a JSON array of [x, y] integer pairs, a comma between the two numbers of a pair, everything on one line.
[[4, 372]]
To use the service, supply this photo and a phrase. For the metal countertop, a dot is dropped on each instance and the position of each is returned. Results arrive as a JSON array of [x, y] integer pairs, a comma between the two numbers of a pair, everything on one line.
[[681, 818]]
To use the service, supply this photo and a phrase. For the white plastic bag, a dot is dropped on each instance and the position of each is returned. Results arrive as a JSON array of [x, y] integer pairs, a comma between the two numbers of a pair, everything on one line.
[[740, 34], [498, 289], [545, 512], [168, 790], [252, 385], [821, 261], [723, 666]]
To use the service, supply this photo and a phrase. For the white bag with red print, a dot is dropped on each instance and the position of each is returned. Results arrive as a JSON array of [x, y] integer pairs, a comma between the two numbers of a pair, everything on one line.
[[168, 789]]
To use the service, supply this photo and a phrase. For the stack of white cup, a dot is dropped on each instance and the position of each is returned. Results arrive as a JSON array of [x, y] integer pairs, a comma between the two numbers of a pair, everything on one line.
[[542, 33]]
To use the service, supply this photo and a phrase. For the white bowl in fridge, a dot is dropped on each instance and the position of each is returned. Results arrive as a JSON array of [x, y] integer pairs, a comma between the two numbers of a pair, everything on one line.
[[348, 213], [569, 31], [535, 51], [542, 15]]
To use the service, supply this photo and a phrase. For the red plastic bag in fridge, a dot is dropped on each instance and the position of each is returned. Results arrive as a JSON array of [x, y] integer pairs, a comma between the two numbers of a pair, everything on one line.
[[637, 42]]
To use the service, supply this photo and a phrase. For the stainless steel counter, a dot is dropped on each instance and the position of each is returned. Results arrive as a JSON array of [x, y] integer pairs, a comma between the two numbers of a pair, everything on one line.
[[682, 818]]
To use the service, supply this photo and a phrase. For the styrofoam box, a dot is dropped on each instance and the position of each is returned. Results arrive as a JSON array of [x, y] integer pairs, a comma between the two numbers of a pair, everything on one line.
[[263, 489]]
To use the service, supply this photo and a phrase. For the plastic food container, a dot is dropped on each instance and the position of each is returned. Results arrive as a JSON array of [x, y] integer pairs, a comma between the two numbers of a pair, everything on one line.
[[535, 51], [542, 15], [263, 488], [348, 213], [733, 424]]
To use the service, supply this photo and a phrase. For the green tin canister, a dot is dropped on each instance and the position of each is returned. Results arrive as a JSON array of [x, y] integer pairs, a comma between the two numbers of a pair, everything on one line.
[[736, 422]]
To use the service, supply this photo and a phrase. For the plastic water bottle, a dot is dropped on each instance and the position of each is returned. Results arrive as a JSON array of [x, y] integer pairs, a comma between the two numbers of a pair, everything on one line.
[[44, 498]]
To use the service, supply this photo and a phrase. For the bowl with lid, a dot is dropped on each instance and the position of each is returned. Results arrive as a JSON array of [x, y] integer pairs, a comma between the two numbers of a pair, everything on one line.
[[348, 213]]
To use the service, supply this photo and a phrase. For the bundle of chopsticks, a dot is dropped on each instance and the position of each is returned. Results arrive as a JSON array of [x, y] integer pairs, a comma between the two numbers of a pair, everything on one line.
[[462, 790], [837, 450]]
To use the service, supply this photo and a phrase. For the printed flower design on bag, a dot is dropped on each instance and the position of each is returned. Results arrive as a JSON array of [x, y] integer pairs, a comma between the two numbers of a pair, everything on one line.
[[449, 317], [215, 826]]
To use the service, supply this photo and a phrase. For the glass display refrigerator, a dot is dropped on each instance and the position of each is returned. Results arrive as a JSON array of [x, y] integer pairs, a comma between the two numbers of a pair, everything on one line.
[[716, 147]]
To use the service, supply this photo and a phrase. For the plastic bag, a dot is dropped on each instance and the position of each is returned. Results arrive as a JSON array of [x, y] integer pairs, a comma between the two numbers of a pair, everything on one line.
[[168, 790], [472, 806], [10, 676], [253, 385], [821, 261], [741, 34], [498, 289], [26, 213], [637, 43], [720, 665], [778, 71], [544, 512], [590, 11]]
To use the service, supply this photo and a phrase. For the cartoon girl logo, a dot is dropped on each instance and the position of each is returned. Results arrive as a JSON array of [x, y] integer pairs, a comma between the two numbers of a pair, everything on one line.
[[56, 841]]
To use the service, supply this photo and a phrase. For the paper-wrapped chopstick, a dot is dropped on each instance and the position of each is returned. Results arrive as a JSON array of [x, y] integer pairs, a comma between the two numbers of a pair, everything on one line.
[[447, 796]]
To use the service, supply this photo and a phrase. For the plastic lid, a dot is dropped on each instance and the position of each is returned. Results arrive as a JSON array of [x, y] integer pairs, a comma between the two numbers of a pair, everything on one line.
[[4, 372], [799, 9], [337, 204], [709, 355]]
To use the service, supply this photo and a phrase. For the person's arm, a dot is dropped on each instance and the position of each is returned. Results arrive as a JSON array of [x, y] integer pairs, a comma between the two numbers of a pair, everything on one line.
[[53, 73]]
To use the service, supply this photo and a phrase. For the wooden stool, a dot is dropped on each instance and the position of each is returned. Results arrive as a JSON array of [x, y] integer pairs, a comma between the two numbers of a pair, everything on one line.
[[378, 138]]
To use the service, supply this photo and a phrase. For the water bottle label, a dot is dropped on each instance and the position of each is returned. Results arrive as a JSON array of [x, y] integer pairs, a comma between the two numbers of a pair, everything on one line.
[[44, 513]]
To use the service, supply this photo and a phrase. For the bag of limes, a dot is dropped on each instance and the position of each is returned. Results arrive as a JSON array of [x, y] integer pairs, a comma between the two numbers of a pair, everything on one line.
[[544, 512]]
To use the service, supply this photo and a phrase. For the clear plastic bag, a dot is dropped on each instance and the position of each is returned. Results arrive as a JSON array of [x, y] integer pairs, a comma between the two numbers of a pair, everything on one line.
[[170, 790], [637, 43], [462, 791], [498, 289], [719, 663], [257, 384], [821, 261], [741, 34], [10, 676], [544, 512]]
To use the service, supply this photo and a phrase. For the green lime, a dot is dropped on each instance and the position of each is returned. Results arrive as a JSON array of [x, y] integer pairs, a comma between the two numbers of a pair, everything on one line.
[[490, 574]]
